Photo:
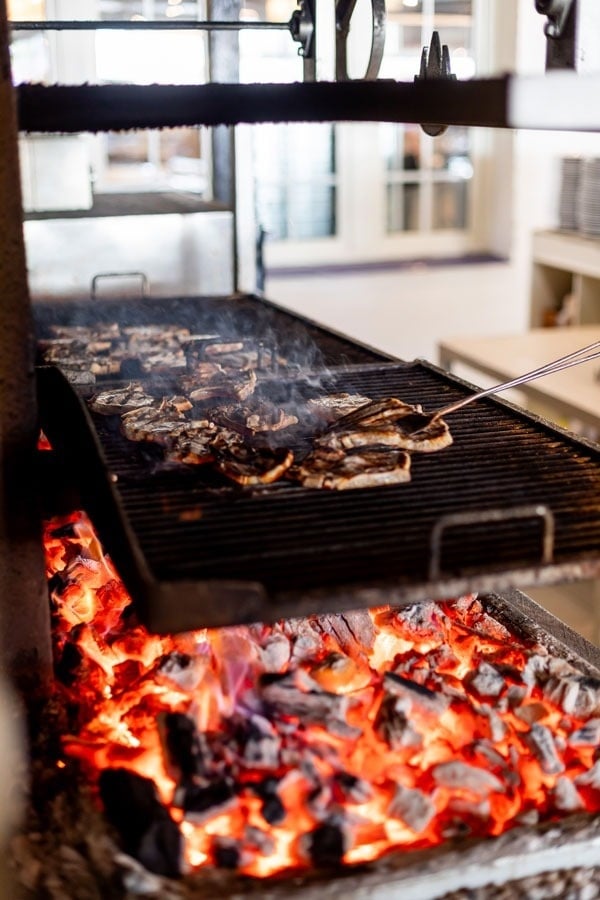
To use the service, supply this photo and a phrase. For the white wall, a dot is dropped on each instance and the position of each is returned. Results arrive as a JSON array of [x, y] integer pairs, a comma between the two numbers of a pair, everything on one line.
[[408, 312]]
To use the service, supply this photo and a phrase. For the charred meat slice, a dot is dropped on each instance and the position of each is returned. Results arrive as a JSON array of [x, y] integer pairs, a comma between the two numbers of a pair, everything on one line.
[[372, 468], [121, 400], [375, 413], [248, 465], [390, 423], [108, 332], [228, 387], [160, 423], [194, 444], [330, 409], [249, 420], [434, 437]]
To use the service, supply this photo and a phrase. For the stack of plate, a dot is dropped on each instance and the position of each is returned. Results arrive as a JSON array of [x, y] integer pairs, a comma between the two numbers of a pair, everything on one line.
[[589, 197], [568, 212]]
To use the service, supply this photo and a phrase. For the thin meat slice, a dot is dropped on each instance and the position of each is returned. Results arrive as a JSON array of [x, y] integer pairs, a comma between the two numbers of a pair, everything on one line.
[[371, 468], [121, 400], [247, 465]]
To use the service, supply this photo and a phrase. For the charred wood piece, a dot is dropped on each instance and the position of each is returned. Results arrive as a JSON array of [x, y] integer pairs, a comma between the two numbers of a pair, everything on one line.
[[591, 778], [327, 844], [348, 788], [412, 807], [393, 726], [284, 697], [147, 831], [202, 801], [263, 744], [416, 696], [456, 775], [180, 669], [588, 734], [181, 746], [540, 741], [272, 809], [486, 681]]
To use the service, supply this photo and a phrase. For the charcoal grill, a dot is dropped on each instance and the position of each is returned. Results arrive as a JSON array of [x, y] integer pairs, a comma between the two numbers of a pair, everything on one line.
[[513, 502]]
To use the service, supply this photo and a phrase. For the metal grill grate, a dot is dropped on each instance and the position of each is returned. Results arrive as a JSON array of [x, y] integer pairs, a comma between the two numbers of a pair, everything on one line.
[[512, 501]]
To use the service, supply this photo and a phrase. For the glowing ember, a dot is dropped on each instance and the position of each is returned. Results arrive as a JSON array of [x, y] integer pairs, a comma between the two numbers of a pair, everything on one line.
[[324, 739]]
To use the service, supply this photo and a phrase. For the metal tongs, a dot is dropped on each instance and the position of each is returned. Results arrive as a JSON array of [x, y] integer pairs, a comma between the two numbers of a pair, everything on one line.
[[420, 421]]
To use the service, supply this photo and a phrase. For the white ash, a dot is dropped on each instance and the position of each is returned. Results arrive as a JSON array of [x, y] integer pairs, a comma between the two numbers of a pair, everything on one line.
[[462, 806], [565, 795], [412, 807], [423, 620], [587, 735], [183, 670], [275, 652], [497, 726], [457, 775], [415, 696], [540, 741], [486, 681], [591, 778]]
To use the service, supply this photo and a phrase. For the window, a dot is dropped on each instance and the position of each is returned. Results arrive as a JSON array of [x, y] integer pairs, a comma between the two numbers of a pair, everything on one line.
[[366, 191]]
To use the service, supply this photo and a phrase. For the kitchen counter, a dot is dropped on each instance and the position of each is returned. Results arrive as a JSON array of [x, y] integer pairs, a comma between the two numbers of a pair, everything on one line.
[[569, 396]]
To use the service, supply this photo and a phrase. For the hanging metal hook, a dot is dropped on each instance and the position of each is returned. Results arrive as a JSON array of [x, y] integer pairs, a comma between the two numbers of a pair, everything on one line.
[[435, 63]]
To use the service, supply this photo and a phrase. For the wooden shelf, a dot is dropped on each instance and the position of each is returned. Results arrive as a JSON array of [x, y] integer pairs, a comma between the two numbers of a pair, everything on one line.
[[565, 263]]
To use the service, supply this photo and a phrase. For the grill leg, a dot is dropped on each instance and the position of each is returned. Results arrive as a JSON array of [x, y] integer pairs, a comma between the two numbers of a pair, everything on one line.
[[24, 613]]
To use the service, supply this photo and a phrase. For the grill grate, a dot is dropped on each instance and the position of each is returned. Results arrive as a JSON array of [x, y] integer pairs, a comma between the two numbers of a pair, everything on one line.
[[192, 528]]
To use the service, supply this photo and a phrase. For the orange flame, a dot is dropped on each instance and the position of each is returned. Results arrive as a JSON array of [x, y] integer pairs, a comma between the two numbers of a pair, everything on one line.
[[351, 765]]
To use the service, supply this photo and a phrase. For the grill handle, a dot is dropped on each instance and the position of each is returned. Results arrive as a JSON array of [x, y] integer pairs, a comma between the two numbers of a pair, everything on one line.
[[491, 516], [144, 284]]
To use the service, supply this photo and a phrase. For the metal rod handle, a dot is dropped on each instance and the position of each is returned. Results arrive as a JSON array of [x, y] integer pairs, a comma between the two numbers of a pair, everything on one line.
[[557, 365], [102, 275]]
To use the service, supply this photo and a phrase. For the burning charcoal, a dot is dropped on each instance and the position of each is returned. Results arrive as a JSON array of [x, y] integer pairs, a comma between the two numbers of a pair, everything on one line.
[[319, 801], [261, 750], [347, 788], [226, 852], [272, 809], [535, 669], [393, 726], [541, 743], [457, 775], [339, 673], [257, 839], [578, 695], [531, 712], [66, 667], [327, 844], [412, 807], [486, 681], [64, 531], [476, 809], [497, 725], [181, 669], [565, 795], [418, 697], [284, 695], [354, 631], [591, 778], [275, 652], [528, 817], [516, 694], [587, 735], [422, 620], [492, 759], [147, 831], [181, 746], [204, 801]]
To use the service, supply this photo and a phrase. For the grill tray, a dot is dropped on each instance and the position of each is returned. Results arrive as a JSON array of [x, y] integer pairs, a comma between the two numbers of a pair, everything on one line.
[[513, 502]]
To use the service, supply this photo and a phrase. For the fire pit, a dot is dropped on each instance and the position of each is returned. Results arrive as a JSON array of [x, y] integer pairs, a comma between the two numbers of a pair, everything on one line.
[[407, 752]]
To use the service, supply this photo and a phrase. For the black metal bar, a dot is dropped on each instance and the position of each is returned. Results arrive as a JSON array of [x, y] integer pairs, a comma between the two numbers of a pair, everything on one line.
[[69, 109], [166, 25]]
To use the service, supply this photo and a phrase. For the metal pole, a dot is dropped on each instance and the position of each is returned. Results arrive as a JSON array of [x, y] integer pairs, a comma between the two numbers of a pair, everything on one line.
[[24, 612]]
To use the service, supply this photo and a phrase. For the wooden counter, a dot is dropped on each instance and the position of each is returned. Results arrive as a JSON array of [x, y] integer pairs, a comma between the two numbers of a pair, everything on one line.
[[570, 395]]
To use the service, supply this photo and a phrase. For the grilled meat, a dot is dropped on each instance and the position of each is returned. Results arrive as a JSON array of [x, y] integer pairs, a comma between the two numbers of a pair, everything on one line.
[[344, 471], [248, 465], [249, 420], [228, 387], [87, 333], [389, 422], [194, 444], [121, 400], [328, 410], [160, 423]]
